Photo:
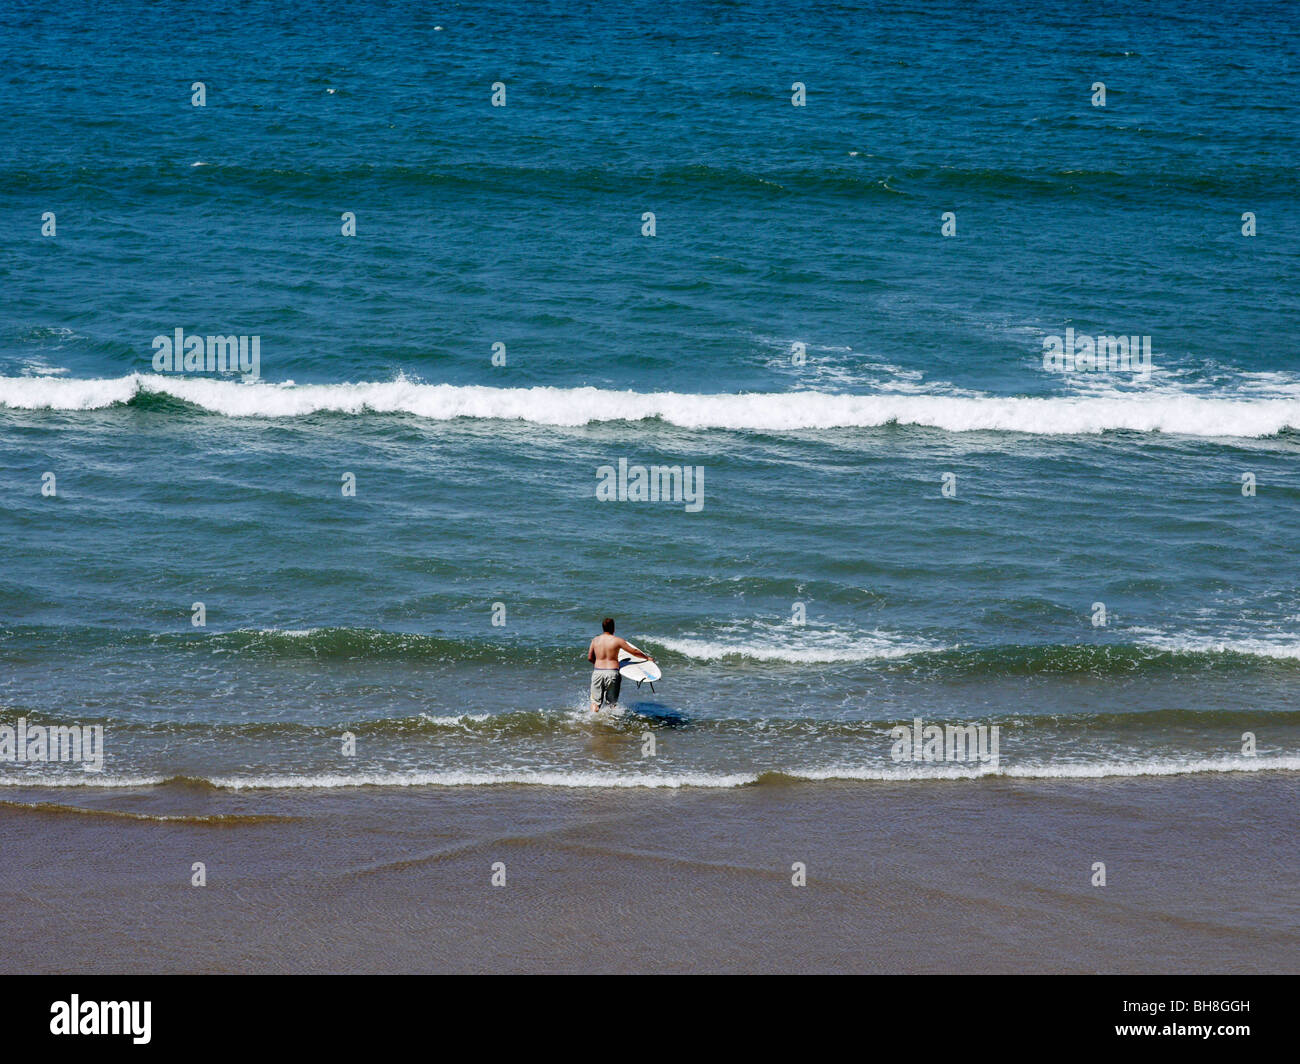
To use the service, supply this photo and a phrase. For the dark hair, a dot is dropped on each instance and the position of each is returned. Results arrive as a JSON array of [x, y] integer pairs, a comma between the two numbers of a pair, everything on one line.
[[608, 624]]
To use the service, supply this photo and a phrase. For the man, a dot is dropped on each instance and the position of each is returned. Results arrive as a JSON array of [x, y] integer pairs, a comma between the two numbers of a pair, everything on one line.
[[603, 655]]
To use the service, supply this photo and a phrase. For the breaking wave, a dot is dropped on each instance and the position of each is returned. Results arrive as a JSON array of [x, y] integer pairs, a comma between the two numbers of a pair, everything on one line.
[[1177, 414]]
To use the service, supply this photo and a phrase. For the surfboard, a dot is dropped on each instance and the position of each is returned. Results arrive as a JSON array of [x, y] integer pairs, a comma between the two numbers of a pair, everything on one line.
[[639, 670]]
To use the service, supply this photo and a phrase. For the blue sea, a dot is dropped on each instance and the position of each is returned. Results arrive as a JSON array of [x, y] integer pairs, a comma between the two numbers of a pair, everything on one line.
[[800, 264]]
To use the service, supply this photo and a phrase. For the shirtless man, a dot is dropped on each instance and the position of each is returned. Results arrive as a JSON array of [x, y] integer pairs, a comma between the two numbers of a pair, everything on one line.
[[603, 654]]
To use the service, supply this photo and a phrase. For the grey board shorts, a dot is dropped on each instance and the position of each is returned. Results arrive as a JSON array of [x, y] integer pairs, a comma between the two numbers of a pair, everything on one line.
[[604, 686]]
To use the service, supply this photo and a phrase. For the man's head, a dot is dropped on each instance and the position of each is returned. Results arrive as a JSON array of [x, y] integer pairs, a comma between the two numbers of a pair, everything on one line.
[[608, 624]]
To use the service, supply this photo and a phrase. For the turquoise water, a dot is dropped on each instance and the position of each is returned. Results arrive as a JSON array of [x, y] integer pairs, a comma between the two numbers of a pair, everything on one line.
[[826, 587]]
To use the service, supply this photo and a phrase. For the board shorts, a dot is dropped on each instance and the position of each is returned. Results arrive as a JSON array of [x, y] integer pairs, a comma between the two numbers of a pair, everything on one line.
[[605, 684]]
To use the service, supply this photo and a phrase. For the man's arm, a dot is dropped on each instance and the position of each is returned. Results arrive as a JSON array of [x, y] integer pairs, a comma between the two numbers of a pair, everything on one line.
[[625, 645], [591, 652]]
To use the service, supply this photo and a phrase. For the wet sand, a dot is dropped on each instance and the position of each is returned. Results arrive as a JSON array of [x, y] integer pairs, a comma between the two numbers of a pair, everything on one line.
[[993, 876]]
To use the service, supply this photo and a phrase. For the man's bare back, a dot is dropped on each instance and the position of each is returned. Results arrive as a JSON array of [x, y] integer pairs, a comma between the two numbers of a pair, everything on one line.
[[603, 652]]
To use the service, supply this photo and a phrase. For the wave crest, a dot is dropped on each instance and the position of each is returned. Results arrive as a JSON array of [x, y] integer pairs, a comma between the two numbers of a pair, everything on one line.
[[1177, 414]]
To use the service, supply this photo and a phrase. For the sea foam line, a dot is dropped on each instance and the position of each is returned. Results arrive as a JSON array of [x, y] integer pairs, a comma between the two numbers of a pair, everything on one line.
[[716, 781], [805, 646], [1288, 650], [1060, 770], [1179, 414]]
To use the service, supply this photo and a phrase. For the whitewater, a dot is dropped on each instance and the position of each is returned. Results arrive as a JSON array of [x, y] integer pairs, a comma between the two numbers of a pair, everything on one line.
[[797, 411]]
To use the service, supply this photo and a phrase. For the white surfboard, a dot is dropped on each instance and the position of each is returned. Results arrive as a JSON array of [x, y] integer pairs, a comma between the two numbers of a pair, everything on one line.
[[638, 669]]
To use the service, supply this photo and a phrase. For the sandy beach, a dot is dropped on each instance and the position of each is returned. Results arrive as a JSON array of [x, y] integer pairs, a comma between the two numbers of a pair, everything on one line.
[[900, 878]]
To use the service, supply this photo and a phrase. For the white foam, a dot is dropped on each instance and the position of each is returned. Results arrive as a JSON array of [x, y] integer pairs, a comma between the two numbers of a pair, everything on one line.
[[1284, 648], [805, 644], [580, 712], [456, 721], [36, 367], [536, 778], [1189, 415], [89, 779], [1156, 767], [44, 392], [655, 781], [1058, 770]]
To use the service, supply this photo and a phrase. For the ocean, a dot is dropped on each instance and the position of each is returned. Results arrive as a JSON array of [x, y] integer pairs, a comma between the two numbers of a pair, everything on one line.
[[800, 266]]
